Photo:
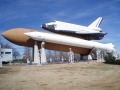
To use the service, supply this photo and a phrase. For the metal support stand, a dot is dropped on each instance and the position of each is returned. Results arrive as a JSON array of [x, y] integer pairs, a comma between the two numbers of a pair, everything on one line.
[[71, 56], [99, 55], [43, 55], [62, 59], [10, 63], [39, 58], [89, 58], [36, 58], [102, 57], [51, 60]]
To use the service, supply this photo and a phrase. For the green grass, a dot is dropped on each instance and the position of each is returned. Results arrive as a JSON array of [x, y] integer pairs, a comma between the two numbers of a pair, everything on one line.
[[23, 81], [43, 84]]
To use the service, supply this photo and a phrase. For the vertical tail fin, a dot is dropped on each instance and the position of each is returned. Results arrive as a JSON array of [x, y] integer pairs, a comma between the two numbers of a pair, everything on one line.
[[96, 23]]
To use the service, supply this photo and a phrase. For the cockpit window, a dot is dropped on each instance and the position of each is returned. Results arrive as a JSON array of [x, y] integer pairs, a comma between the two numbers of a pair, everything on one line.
[[54, 21], [52, 26], [55, 25]]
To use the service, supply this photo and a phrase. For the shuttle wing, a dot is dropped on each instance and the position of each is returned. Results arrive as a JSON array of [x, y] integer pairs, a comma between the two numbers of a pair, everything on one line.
[[103, 33]]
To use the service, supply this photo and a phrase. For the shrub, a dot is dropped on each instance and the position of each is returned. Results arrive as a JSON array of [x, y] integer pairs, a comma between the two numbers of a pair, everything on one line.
[[111, 60], [117, 61]]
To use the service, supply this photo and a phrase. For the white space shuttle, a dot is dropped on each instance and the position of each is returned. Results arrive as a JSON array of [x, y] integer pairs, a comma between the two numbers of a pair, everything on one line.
[[91, 32]]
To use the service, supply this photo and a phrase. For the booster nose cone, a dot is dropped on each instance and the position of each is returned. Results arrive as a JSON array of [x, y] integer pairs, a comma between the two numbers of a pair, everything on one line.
[[27, 34]]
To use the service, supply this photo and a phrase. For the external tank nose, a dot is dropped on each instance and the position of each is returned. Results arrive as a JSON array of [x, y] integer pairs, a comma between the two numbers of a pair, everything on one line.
[[8, 34], [17, 36], [4, 34]]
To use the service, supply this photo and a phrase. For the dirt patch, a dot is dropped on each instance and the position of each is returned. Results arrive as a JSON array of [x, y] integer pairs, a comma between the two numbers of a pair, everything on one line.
[[8, 70], [84, 76]]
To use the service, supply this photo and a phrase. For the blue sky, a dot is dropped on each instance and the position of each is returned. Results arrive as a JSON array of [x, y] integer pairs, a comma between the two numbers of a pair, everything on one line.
[[32, 13]]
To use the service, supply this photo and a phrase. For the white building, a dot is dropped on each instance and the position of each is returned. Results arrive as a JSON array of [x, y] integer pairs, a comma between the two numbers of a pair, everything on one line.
[[6, 54]]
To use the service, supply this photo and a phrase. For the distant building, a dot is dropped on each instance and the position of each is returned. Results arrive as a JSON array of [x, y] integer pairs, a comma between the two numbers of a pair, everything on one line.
[[6, 54]]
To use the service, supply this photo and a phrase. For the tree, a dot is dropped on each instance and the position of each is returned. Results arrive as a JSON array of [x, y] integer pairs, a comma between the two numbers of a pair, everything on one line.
[[16, 54], [5, 45], [1, 43], [55, 55], [49, 54], [0, 40], [27, 53], [76, 56]]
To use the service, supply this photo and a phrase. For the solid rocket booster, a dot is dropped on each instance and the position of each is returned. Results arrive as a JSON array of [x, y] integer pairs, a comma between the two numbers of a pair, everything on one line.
[[67, 40]]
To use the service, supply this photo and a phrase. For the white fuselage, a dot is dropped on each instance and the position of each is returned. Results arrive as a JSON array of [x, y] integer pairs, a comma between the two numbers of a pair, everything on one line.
[[91, 32], [67, 40], [63, 26]]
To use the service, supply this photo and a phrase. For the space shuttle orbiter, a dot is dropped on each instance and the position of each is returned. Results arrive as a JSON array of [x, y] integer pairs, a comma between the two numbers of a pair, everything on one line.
[[91, 32]]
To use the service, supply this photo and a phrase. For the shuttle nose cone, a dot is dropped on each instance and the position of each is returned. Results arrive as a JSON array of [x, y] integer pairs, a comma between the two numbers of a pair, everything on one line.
[[44, 26]]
